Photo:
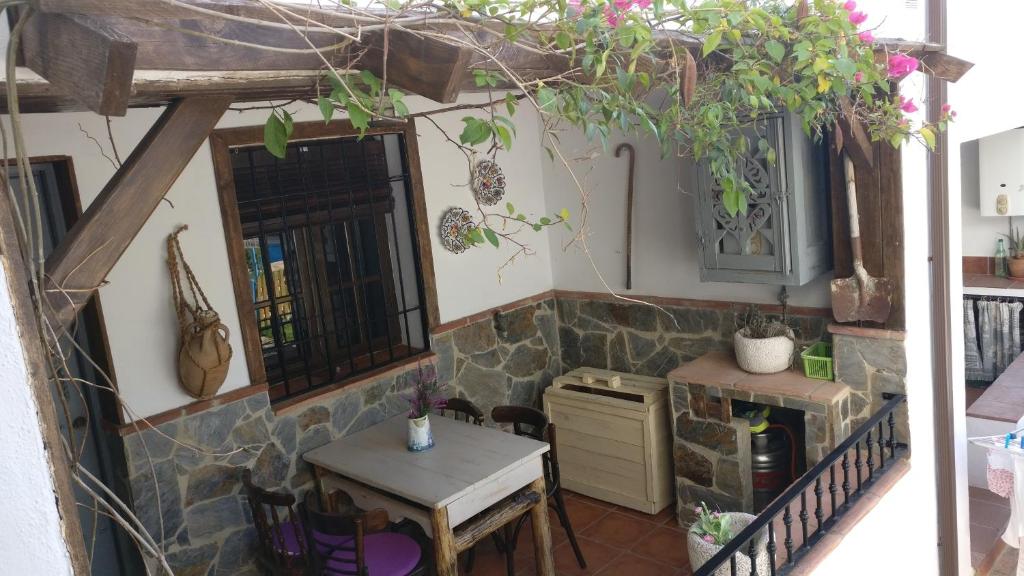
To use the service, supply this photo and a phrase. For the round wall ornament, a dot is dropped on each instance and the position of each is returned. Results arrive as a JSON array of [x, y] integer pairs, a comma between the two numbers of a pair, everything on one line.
[[455, 224], [488, 182]]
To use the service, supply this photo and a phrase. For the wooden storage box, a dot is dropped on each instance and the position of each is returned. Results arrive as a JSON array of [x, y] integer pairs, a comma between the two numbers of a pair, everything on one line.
[[614, 437]]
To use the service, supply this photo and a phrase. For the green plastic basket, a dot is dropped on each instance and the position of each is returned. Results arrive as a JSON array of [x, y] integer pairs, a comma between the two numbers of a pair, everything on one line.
[[817, 360]]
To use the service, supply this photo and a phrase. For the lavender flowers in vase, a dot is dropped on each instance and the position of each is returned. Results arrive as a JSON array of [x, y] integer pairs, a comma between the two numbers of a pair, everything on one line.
[[426, 398]]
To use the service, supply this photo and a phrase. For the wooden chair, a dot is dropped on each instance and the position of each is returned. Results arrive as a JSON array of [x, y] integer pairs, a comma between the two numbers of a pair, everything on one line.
[[358, 544], [533, 423], [282, 539], [463, 410]]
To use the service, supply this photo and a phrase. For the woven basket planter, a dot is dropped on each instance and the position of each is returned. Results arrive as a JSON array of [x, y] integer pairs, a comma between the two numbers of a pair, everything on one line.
[[701, 551]]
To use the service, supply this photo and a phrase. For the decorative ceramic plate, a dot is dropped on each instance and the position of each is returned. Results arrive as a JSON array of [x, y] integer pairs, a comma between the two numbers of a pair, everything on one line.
[[455, 223], [488, 182]]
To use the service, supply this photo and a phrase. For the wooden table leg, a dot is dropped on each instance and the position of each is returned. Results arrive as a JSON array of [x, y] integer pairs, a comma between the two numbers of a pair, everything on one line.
[[446, 556], [542, 531]]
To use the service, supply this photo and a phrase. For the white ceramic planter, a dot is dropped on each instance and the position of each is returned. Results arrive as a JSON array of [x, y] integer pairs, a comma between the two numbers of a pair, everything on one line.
[[420, 438], [764, 355], [701, 551]]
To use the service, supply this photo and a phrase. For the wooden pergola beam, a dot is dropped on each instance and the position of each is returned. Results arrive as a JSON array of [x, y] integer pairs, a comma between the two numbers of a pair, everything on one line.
[[80, 263], [82, 56]]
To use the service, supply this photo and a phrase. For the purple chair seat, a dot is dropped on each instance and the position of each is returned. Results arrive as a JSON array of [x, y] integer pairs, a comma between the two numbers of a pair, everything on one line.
[[386, 554], [289, 534]]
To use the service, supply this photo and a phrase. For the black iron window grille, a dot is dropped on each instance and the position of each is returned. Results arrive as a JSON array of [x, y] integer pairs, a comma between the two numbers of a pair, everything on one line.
[[334, 272], [845, 475]]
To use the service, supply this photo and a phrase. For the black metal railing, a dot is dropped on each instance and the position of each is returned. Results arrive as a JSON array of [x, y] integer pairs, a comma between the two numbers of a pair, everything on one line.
[[870, 435]]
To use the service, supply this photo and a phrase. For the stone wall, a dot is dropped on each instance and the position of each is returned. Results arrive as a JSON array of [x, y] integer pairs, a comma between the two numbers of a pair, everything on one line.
[[204, 519], [641, 339], [872, 363]]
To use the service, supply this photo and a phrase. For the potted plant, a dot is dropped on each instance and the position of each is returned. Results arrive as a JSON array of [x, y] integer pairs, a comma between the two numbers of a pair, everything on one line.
[[713, 530], [1016, 263], [763, 346], [425, 398]]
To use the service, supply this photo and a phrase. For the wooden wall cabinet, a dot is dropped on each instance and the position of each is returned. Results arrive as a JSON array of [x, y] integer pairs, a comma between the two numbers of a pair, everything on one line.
[[784, 238]]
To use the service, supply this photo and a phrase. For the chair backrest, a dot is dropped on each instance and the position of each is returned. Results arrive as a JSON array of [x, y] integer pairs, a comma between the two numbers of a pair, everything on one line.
[[463, 410], [279, 530], [336, 541], [533, 423]]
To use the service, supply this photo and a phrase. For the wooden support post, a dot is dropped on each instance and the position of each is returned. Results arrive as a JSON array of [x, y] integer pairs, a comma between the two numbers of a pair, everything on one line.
[[82, 57], [445, 553], [95, 243]]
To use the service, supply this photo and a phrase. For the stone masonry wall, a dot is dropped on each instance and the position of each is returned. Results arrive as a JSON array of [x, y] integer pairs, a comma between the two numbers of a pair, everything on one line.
[[872, 366], [204, 521]]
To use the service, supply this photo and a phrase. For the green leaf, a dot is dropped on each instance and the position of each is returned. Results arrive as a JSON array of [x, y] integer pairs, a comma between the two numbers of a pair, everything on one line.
[[771, 156], [712, 42], [370, 80], [521, 217], [537, 227], [275, 136], [564, 214], [326, 108], [510, 103], [929, 137], [491, 237], [546, 99], [775, 49], [505, 136], [563, 40], [545, 221], [359, 118], [289, 124], [511, 209], [846, 67]]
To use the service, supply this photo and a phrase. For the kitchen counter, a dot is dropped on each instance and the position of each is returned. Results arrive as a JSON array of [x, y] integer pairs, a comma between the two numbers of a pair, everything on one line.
[[990, 285], [1003, 400]]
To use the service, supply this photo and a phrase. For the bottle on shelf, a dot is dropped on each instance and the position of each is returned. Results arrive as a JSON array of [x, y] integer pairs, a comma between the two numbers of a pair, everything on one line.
[[1002, 268]]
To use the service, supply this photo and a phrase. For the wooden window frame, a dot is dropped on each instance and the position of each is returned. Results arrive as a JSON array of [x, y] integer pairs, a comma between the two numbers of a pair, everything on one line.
[[221, 143]]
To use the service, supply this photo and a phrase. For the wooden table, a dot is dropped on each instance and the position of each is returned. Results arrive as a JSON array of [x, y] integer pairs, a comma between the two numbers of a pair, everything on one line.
[[470, 469]]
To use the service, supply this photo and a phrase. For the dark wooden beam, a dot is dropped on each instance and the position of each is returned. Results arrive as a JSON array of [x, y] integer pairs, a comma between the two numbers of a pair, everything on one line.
[[421, 65], [95, 243], [82, 57]]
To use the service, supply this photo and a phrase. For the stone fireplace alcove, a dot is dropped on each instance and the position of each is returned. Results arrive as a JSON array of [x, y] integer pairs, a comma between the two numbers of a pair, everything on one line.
[[712, 445]]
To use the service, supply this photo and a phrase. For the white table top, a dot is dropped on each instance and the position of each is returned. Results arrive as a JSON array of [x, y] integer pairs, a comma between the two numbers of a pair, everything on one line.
[[464, 457]]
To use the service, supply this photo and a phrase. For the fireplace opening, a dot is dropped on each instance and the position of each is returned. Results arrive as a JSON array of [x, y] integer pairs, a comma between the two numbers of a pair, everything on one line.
[[777, 448]]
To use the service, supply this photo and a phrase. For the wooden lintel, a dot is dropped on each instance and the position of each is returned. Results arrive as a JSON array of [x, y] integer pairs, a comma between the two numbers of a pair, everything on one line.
[[83, 57], [419, 64], [78, 265], [944, 66]]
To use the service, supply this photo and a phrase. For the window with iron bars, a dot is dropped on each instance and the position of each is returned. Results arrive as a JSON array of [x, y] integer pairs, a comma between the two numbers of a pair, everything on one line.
[[333, 268]]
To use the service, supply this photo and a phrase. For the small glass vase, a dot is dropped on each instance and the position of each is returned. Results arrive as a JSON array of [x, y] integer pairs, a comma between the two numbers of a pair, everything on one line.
[[420, 437]]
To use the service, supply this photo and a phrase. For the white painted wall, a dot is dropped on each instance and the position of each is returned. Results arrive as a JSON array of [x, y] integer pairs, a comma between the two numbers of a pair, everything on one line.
[[140, 320], [664, 229], [981, 233], [31, 537]]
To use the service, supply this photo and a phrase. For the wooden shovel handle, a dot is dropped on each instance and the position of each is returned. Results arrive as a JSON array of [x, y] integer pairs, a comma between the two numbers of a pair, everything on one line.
[[851, 203]]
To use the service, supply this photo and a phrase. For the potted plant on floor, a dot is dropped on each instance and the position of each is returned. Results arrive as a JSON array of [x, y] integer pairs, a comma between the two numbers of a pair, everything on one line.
[[1016, 263], [762, 346], [713, 530], [426, 398]]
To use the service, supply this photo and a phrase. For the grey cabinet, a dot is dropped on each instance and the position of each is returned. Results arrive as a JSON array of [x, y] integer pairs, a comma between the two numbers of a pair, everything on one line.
[[784, 238]]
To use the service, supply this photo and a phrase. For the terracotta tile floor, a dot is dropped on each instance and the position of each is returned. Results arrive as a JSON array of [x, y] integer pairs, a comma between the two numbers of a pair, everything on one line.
[[989, 514], [614, 541]]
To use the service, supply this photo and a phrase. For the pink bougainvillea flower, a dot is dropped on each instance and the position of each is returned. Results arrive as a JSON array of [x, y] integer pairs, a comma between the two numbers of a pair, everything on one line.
[[709, 538], [858, 77], [946, 108], [575, 3], [850, 6], [908, 106], [904, 123], [611, 16], [623, 5], [900, 65], [644, 4], [858, 18], [866, 36]]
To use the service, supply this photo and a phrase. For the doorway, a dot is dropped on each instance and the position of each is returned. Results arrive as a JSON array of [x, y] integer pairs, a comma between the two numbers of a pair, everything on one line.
[[89, 418]]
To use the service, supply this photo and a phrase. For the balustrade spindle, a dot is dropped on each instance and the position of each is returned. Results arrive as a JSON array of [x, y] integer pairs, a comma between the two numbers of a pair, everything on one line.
[[846, 478], [832, 488], [819, 512], [787, 521], [892, 434], [881, 447], [871, 458], [803, 517], [732, 565], [771, 548], [752, 554], [858, 464]]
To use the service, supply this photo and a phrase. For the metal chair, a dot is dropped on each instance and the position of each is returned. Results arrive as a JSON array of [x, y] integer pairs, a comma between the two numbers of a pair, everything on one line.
[[533, 423], [282, 542]]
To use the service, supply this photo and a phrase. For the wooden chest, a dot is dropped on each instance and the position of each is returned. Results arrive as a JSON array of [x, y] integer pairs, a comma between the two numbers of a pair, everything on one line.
[[614, 437]]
